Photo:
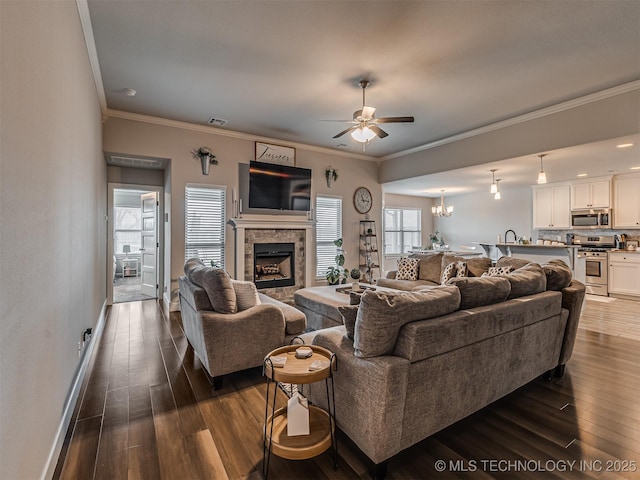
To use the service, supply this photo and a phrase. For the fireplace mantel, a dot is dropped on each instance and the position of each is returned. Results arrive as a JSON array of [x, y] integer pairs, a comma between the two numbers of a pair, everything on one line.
[[241, 225]]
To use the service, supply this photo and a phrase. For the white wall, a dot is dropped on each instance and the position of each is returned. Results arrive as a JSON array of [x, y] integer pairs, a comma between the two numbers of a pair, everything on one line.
[[52, 226], [479, 218], [149, 139]]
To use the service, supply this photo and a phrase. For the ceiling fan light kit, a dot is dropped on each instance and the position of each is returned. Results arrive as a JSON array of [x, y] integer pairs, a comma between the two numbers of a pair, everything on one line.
[[365, 126], [442, 210]]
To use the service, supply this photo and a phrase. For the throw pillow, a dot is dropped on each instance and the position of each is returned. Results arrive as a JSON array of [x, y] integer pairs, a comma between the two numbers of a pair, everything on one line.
[[246, 294], [382, 314], [407, 269], [448, 273], [497, 271], [349, 314], [461, 269]]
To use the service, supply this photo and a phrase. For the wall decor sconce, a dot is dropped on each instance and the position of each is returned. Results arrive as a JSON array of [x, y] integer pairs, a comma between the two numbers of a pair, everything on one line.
[[331, 174], [206, 157]]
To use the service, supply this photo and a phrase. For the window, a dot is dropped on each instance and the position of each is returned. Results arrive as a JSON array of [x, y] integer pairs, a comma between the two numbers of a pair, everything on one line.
[[204, 224], [127, 229], [402, 230], [328, 229]]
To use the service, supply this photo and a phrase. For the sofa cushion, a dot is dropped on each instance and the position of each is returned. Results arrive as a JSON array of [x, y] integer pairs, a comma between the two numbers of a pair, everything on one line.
[[381, 314], [246, 294], [407, 285], [216, 282], [349, 314], [478, 291], [514, 263], [558, 275], [527, 280], [429, 266], [407, 269]]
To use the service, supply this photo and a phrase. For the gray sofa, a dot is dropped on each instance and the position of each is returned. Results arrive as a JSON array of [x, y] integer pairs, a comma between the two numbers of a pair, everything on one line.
[[229, 324], [430, 268], [413, 363]]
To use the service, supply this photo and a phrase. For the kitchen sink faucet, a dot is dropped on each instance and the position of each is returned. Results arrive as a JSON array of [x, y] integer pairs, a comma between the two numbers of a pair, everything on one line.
[[515, 237]]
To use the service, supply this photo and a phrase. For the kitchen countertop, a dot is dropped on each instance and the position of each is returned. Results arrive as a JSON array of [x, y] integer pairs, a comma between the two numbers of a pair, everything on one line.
[[529, 245], [630, 252]]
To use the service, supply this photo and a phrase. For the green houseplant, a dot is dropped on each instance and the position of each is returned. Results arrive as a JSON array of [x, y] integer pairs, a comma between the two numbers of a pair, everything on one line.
[[337, 274]]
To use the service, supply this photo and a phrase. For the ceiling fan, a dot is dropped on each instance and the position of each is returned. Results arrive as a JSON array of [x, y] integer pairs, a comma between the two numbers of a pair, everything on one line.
[[364, 124]]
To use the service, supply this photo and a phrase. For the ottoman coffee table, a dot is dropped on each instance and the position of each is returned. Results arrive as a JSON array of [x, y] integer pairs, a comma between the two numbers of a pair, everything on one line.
[[320, 304]]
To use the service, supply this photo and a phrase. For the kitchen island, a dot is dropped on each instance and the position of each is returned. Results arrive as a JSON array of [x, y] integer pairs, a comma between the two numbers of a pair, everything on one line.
[[543, 254]]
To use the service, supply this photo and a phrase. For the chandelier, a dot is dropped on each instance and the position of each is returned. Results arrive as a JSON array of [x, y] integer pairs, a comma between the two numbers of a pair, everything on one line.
[[441, 210]]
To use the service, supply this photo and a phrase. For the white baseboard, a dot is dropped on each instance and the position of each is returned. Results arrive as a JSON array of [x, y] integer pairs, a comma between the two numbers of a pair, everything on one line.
[[73, 395]]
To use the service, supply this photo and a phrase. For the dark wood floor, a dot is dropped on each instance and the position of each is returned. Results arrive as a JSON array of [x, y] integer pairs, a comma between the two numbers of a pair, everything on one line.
[[148, 412]]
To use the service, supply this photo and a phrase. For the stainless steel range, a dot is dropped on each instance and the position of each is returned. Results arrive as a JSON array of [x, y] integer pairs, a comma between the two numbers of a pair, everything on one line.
[[594, 249]]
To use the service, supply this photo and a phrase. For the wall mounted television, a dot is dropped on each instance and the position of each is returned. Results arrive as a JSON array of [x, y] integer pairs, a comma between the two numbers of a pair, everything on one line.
[[279, 187]]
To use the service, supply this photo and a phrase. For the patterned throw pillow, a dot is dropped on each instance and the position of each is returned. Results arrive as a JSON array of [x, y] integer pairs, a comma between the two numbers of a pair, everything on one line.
[[461, 269], [407, 269], [497, 271], [448, 273]]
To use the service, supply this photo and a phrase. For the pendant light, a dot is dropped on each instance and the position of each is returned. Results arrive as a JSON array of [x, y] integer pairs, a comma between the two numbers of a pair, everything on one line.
[[494, 185], [441, 210], [542, 177], [497, 195]]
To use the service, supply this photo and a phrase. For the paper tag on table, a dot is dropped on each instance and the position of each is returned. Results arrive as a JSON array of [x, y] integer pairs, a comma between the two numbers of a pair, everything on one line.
[[297, 416]]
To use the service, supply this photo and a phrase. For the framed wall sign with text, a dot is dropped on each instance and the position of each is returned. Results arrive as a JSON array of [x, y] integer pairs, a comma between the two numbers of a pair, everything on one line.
[[267, 152]]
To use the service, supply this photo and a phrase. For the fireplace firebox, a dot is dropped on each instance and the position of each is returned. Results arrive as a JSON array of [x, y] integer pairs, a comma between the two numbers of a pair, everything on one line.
[[274, 265]]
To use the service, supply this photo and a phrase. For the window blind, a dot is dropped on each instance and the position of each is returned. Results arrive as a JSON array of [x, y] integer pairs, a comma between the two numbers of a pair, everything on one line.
[[402, 230], [328, 229], [204, 224]]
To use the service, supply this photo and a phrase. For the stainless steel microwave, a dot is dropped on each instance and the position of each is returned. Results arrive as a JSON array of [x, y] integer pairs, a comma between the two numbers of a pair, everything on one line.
[[595, 218]]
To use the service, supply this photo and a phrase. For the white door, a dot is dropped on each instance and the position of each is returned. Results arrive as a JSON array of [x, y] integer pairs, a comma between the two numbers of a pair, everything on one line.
[[149, 249]]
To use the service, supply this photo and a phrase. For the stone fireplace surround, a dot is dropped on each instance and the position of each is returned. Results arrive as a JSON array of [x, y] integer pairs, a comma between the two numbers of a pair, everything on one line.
[[250, 231]]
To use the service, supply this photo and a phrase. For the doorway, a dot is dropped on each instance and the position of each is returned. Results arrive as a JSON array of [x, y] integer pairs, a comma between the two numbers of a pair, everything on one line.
[[133, 243]]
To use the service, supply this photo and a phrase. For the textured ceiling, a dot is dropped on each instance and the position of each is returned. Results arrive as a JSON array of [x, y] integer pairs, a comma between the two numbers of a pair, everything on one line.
[[276, 68]]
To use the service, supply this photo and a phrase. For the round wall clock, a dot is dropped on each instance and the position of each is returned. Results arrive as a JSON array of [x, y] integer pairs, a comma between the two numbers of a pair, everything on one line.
[[362, 200]]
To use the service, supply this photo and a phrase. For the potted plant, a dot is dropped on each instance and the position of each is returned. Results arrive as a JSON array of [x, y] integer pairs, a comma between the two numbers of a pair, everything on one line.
[[331, 174], [337, 274], [206, 156], [355, 275]]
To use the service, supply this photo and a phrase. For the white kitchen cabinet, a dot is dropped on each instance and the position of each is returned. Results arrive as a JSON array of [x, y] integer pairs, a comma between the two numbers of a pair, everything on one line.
[[624, 273], [626, 201], [591, 194], [552, 206]]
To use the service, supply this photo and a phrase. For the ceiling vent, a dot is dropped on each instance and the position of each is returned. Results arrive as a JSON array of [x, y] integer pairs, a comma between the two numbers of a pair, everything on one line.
[[217, 122]]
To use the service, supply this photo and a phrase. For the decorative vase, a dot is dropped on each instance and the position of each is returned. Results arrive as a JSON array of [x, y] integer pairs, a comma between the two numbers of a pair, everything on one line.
[[206, 163]]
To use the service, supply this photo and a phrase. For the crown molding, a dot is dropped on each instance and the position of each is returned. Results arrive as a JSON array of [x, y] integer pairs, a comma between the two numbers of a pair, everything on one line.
[[89, 40], [137, 117], [560, 107]]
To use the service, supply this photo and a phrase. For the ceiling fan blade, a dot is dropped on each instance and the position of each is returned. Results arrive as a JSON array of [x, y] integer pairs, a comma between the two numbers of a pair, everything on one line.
[[395, 120], [367, 112], [341, 121], [346, 130], [378, 131]]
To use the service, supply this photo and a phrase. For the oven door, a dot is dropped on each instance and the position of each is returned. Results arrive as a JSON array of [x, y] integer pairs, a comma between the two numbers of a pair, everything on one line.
[[596, 269]]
